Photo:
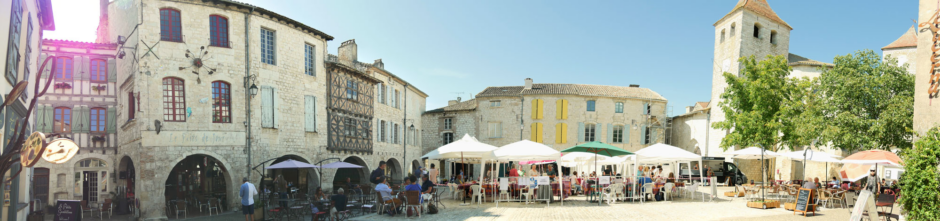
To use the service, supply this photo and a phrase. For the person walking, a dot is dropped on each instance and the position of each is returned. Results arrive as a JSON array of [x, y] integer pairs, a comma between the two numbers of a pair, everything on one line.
[[433, 173], [871, 182], [247, 193], [378, 173]]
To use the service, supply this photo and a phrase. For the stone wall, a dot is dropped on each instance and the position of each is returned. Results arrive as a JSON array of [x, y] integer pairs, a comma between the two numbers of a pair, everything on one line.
[[689, 131], [905, 56]]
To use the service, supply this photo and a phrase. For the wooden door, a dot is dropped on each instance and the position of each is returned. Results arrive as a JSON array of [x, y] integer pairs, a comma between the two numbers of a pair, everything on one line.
[[41, 184]]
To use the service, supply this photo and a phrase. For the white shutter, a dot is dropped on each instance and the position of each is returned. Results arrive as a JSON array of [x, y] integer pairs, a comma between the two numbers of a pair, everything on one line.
[[267, 107], [310, 105], [274, 107]]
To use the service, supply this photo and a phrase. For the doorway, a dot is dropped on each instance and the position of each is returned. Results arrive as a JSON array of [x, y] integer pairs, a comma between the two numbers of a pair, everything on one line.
[[90, 182], [41, 185]]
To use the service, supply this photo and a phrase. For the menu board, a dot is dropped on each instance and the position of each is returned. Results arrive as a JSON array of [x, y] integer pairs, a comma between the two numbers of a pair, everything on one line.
[[68, 210], [543, 180], [802, 201]]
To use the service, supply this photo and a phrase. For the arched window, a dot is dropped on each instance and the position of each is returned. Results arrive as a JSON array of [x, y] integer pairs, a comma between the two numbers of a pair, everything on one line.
[[63, 69], [221, 102], [722, 36], [732, 29], [773, 37], [99, 70], [63, 120], [98, 119], [218, 31], [170, 28], [174, 100]]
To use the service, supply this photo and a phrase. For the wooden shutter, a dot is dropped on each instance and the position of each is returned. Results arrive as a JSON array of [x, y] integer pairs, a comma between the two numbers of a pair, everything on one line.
[[557, 131], [378, 91], [274, 109], [78, 120], [42, 58], [564, 133], [541, 108], [40, 118], [558, 110], [112, 70], [540, 134], [610, 133], [85, 67], [112, 121], [50, 119], [580, 131], [535, 109], [310, 114], [267, 107], [77, 64], [564, 110]]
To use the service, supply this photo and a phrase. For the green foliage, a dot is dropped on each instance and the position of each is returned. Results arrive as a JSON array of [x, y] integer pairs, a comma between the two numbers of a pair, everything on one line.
[[869, 103], [802, 114], [752, 103], [920, 184]]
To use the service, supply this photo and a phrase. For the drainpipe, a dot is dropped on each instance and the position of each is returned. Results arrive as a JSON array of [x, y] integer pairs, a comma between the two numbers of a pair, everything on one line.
[[521, 116], [708, 123], [247, 93], [404, 143]]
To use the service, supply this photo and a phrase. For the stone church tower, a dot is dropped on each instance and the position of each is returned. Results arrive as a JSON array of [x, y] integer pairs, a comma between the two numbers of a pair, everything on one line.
[[751, 28]]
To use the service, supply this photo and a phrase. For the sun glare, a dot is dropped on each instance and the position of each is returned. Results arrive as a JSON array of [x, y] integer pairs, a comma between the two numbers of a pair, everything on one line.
[[75, 20]]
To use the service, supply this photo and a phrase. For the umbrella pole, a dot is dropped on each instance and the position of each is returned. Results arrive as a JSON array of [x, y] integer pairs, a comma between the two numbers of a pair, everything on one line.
[[762, 176]]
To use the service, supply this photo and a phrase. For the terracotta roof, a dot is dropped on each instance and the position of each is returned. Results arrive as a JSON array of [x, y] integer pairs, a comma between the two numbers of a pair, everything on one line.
[[759, 7], [573, 89], [275, 15], [908, 39], [459, 106], [701, 105], [796, 60]]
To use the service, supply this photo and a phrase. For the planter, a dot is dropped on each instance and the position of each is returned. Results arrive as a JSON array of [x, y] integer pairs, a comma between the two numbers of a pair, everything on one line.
[[789, 206], [258, 213], [766, 204], [732, 193]]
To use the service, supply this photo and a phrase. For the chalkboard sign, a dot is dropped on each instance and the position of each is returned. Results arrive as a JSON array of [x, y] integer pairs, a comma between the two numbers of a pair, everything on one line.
[[803, 202], [68, 210]]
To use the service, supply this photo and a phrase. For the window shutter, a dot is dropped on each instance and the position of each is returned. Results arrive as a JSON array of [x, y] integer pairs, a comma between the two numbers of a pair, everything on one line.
[[535, 109], [78, 120], [558, 110], [274, 106], [643, 135], [388, 131], [85, 74], [541, 108], [42, 58], [564, 108], [580, 131], [645, 107], [50, 119], [86, 115], [557, 131], [533, 131], [112, 121], [267, 115], [112, 70], [626, 134], [77, 65], [610, 133], [40, 118], [310, 113], [388, 95], [564, 133], [378, 90], [540, 134]]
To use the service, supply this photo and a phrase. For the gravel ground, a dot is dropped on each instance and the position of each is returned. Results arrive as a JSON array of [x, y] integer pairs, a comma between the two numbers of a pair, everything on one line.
[[577, 208]]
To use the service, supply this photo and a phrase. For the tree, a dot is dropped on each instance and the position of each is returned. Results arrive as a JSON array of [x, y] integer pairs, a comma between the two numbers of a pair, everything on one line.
[[868, 103], [752, 103], [920, 182]]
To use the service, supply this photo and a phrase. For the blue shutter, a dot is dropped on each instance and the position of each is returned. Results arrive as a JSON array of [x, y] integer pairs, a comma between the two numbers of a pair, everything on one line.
[[580, 131], [610, 133], [267, 107], [626, 134], [50, 119]]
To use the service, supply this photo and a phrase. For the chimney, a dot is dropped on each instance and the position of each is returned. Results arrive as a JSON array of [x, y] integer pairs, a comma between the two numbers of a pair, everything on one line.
[[634, 85], [378, 63], [451, 102], [528, 83], [347, 52], [689, 109], [103, 36]]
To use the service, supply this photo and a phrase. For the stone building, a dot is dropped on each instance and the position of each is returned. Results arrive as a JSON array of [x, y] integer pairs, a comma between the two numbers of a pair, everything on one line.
[[81, 104], [904, 49], [23, 22], [557, 115], [185, 73]]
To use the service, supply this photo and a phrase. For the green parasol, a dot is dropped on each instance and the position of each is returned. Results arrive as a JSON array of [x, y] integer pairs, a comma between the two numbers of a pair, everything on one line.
[[598, 148]]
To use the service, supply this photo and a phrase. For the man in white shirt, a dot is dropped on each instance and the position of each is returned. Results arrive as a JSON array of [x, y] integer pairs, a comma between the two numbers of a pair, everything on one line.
[[247, 193], [386, 193]]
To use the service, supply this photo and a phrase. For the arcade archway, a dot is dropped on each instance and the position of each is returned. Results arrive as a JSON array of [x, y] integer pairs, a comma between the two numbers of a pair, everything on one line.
[[355, 175], [393, 170], [125, 183], [302, 180], [197, 176]]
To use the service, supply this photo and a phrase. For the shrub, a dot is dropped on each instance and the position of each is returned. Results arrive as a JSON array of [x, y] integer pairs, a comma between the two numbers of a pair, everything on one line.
[[920, 185]]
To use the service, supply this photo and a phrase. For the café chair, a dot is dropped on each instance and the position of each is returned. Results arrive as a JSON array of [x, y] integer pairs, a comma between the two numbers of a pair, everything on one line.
[[214, 203], [180, 207], [477, 194], [413, 199], [106, 207], [86, 208], [527, 194]]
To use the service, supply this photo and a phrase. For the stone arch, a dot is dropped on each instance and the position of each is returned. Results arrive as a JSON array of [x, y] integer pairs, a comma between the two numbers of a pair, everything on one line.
[[395, 172], [305, 179], [127, 176], [414, 167], [225, 173], [360, 175]]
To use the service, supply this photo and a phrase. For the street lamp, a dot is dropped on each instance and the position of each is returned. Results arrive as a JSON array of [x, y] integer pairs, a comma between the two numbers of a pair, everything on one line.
[[253, 90]]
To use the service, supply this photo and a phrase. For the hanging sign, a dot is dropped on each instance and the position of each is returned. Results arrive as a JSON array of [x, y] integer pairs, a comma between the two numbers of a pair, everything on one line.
[[31, 150], [60, 151]]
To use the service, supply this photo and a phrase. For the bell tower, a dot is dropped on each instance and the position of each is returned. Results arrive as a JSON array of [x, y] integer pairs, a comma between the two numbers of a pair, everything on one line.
[[751, 28]]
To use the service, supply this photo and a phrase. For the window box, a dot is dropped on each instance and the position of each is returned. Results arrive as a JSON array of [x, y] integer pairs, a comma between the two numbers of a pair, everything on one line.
[[98, 139], [99, 88], [63, 85]]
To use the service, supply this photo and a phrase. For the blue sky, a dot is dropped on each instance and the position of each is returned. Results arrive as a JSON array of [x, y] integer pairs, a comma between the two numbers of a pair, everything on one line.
[[450, 47]]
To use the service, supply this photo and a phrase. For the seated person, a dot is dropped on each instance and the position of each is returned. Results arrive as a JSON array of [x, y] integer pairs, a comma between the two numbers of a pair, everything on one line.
[[809, 184], [386, 193], [338, 201], [427, 188], [319, 194], [672, 178], [412, 184], [353, 188]]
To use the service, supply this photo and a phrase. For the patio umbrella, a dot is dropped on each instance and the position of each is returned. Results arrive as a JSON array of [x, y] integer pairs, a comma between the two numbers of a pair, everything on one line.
[[754, 153], [291, 164], [337, 165], [815, 157], [598, 148], [856, 162]]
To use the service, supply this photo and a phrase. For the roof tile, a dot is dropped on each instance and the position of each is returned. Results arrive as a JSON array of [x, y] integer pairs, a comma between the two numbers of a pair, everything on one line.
[[908, 39], [573, 89]]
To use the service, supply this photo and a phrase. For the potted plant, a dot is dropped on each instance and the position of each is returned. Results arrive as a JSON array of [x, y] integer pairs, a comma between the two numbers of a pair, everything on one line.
[[98, 138], [63, 85], [764, 204], [259, 209], [99, 88]]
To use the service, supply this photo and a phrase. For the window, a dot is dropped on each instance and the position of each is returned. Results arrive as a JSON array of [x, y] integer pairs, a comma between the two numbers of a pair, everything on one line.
[[352, 90], [448, 123], [561, 109], [63, 69], [381, 93], [618, 134], [756, 31], [561, 133], [221, 102], [218, 31], [448, 138], [63, 120], [92, 163], [618, 107], [722, 36], [99, 70], [267, 47], [13, 42], [98, 119], [537, 109], [648, 108], [349, 127], [382, 131], [589, 132], [590, 105], [132, 105], [397, 101], [495, 103], [170, 28], [536, 132], [646, 135], [732, 29], [773, 37], [396, 133], [495, 129], [310, 57], [174, 100]]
